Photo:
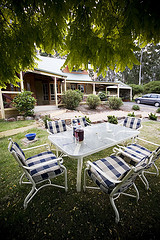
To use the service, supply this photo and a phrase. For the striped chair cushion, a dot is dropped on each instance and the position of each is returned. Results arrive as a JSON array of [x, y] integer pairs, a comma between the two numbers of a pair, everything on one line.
[[81, 120], [56, 126], [136, 153], [113, 166], [132, 122], [45, 172], [16, 148]]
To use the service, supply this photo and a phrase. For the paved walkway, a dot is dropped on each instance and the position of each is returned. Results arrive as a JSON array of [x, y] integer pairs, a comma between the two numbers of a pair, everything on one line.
[[17, 130]]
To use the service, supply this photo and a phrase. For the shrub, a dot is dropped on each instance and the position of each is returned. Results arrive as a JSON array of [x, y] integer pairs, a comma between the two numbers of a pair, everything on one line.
[[136, 89], [152, 116], [135, 107], [45, 118], [115, 102], [102, 96], [80, 93], [152, 87], [71, 99], [25, 103], [93, 101], [131, 114], [158, 110], [112, 119]]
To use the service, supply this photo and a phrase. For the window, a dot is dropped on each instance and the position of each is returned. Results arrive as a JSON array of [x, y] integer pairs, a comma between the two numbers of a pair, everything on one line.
[[52, 91], [45, 91], [28, 86], [81, 87], [73, 86]]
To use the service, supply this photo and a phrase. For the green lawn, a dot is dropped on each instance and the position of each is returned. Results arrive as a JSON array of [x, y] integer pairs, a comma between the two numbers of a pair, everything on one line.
[[4, 126], [54, 214]]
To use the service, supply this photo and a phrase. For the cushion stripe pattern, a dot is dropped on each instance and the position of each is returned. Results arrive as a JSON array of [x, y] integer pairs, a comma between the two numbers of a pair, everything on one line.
[[56, 126], [136, 151], [133, 123], [81, 120], [113, 166], [47, 171], [15, 147]]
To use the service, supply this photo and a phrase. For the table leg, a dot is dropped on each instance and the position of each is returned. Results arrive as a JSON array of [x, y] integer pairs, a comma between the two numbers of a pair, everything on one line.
[[79, 173]]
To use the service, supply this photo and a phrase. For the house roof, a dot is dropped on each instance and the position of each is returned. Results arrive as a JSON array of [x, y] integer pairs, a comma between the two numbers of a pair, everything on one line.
[[50, 65], [53, 66]]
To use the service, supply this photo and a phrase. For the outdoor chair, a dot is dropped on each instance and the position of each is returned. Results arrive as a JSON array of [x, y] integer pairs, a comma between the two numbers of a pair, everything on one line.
[[81, 120], [132, 122], [114, 176], [134, 153], [38, 168], [56, 126]]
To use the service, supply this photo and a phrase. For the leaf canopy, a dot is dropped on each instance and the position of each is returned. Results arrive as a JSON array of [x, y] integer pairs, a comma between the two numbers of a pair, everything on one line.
[[103, 32]]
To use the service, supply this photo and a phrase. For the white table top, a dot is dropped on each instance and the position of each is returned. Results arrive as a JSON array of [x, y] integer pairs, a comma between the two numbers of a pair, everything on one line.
[[96, 138]]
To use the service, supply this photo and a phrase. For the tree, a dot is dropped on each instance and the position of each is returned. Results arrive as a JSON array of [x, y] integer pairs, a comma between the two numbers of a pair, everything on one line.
[[100, 32]]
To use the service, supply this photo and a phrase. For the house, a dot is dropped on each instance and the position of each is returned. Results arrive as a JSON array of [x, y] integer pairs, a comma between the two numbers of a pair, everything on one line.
[[49, 80]]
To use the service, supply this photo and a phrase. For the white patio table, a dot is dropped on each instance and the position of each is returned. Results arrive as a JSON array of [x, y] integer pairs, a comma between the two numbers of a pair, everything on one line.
[[96, 138]]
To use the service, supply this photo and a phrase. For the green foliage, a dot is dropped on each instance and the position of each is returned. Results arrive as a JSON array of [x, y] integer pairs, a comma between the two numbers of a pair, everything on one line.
[[158, 110], [25, 103], [71, 99], [88, 119], [80, 93], [112, 119], [102, 96], [131, 114], [135, 107], [115, 102], [45, 118], [102, 32], [136, 89], [93, 101], [152, 116], [152, 87]]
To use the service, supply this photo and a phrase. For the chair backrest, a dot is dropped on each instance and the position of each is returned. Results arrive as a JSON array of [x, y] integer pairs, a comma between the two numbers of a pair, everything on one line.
[[129, 178], [80, 120], [56, 126], [17, 152], [154, 156], [132, 122]]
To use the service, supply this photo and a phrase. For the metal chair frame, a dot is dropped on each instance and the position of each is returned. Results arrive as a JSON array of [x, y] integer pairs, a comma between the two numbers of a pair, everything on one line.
[[27, 174], [120, 150], [120, 185]]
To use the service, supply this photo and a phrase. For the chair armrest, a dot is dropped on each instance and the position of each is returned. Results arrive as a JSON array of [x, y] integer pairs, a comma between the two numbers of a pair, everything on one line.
[[26, 149], [141, 139], [49, 132], [102, 173], [43, 164]]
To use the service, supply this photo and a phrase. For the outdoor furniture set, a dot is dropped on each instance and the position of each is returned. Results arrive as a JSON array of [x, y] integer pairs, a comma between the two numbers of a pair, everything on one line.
[[113, 174]]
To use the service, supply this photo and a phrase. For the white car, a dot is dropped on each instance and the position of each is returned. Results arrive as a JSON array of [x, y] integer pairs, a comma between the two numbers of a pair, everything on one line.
[[151, 99]]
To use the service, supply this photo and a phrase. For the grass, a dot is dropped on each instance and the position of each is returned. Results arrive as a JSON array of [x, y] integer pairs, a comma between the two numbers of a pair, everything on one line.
[[4, 126], [54, 214]]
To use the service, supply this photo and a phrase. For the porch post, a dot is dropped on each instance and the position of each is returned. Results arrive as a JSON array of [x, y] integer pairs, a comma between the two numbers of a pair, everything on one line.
[[21, 82], [55, 90], [131, 94], [118, 90], [65, 88], [94, 89], [2, 105]]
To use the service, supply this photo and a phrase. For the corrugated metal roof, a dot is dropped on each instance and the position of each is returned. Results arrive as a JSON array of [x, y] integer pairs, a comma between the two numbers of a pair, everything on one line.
[[53, 66]]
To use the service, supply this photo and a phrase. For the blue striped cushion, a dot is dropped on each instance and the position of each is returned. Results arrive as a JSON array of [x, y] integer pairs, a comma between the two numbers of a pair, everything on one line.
[[45, 172], [113, 166], [81, 120], [15, 147], [136, 151], [132, 122], [56, 126]]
